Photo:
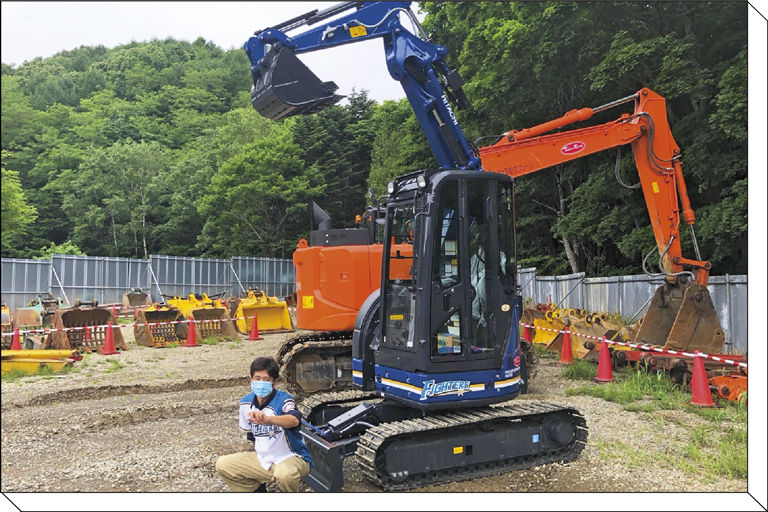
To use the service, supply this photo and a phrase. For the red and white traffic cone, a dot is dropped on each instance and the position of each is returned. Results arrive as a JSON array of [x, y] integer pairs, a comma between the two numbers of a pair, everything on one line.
[[191, 336], [114, 311], [700, 392], [566, 352], [16, 341], [527, 336], [254, 335], [109, 342], [604, 371]]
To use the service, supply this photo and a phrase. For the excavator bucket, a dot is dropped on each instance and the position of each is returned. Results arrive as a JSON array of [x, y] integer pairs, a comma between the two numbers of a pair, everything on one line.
[[283, 86], [161, 334], [212, 317], [549, 320], [682, 317], [136, 297], [545, 317], [90, 339], [272, 313]]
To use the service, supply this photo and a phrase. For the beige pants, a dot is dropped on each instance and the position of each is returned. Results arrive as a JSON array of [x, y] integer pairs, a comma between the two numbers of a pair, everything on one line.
[[244, 473]]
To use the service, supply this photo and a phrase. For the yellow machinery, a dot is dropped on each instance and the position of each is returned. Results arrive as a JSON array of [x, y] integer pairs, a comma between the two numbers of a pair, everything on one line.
[[31, 361], [162, 333], [7, 326], [272, 313], [89, 339], [589, 323], [212, 317]]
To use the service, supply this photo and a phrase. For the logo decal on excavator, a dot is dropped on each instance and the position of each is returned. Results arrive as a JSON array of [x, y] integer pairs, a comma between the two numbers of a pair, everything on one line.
[[444, 388], [572, 148]]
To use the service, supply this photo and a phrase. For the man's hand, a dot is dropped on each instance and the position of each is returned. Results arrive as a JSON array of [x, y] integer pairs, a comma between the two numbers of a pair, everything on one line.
[[258, 417]]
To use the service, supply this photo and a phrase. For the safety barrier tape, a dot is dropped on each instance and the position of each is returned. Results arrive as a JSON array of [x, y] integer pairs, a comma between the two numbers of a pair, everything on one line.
[[640, 346], [135, 324]]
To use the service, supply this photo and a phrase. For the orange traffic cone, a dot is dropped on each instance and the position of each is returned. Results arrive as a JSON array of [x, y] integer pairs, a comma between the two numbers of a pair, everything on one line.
[[700, 392], [254, 328], [87, 333], [527, 334], [109, 342], [191, 336], [15, 341], [604, 372], [566, 353]]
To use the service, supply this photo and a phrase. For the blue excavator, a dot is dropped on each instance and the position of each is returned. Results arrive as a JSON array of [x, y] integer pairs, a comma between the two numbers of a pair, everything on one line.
[[436, 350]]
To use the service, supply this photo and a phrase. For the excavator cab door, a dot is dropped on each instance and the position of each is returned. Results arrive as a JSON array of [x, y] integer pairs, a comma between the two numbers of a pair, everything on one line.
[[283, 86]]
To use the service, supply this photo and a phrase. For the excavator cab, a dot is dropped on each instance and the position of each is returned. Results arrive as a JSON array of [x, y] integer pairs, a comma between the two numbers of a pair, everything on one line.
[[449, 305], [283, 86]]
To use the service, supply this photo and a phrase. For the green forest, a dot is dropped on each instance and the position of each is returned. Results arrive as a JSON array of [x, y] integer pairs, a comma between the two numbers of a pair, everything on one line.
[[154, 148]]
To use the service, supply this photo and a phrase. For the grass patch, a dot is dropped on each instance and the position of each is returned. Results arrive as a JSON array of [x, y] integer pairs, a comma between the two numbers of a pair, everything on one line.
[[126, 320], [579, 370], [211, 340], [543, 353], [642, 390], [706, 453], [14, 374], [173, 344], [628, 455], [114, 365]]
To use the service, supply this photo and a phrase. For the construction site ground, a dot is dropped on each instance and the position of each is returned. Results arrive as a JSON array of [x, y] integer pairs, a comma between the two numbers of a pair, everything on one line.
[[157, 419]]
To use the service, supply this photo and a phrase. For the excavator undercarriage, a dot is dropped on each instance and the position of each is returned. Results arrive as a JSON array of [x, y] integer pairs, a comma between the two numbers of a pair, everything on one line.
[[452, 445]]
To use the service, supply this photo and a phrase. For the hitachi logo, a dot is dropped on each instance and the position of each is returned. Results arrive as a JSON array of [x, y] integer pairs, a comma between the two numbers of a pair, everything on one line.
[[450, 110]]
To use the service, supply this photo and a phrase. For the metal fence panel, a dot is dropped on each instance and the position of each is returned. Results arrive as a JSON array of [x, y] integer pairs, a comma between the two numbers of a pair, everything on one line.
[[97, 277], [179, 276], [729, 296], [77, 277], [23, 280], [275, 277], [556, 289]]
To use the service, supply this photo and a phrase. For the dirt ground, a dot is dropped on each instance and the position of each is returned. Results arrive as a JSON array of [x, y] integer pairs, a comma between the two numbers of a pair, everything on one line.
[[159, 420]]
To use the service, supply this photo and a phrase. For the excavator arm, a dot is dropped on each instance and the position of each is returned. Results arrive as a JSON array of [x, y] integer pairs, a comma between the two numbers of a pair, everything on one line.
[[657, 158], [283, 86], [680, 314]]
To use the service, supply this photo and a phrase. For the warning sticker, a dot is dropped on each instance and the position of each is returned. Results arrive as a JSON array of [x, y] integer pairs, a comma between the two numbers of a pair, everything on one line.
[[357, 31], [308, 302]]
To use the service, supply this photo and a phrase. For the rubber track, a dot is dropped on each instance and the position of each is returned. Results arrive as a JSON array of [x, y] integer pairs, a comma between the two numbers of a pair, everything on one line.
[[288, 344], [376, 439], [326, 343], [308, 405]]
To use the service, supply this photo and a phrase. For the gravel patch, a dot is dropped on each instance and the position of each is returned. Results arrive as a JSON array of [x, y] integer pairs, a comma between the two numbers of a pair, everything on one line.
[[159, 422]]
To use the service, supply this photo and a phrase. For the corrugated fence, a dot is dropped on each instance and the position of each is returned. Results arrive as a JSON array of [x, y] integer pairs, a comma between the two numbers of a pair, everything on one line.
[[106, 279]]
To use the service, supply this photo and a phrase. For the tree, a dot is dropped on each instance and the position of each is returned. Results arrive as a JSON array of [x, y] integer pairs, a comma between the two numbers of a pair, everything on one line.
[[257, 198], [17, 214]]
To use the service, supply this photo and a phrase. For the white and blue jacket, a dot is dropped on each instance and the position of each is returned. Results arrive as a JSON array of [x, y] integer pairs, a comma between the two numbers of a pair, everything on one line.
[[274, 444]]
